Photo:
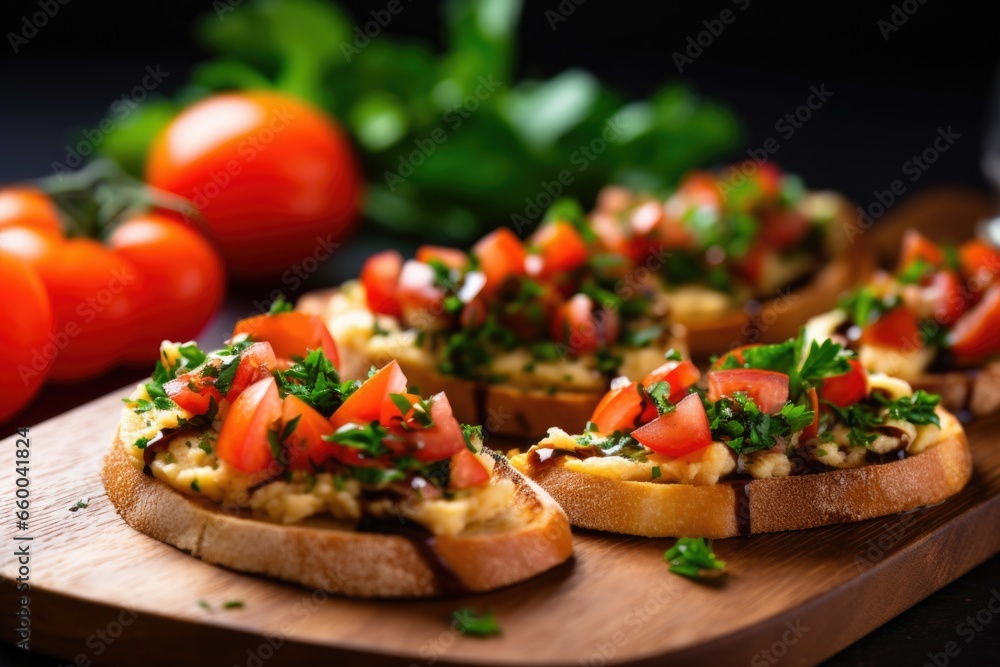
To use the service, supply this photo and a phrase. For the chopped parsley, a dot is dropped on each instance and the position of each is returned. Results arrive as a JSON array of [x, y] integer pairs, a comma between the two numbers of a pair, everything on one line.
[[316, 382], [470, 433], [693, 557], [656, 472], [280, 305], [738, 422], [82, 503], [195, 487], [470, 623], [141, 443], [659, 393], [233, 604]]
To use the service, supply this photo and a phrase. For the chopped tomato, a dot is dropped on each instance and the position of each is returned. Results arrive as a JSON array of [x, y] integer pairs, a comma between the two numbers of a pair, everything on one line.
[[500, 255], [976, 335], [811, 431], [305, 448], [466, 470], [735, 353], [453, 258], [783, 228], [756, 262], [896, 328], [560, 247], [365, 404], [380, 277], [681, 431], [420, 298], [583, 330], [768, 389], [193, 392], [847, 389], [609, 232], [700, 188], [390, 415], [949, 297], [441, 440], [917, 246], [256, 363], [979, 259], [619, 410], [680, 374], [291, 335], [243, 441]]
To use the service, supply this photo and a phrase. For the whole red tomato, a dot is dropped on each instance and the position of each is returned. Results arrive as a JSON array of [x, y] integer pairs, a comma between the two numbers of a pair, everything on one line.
[[274, 179], [24, 334]]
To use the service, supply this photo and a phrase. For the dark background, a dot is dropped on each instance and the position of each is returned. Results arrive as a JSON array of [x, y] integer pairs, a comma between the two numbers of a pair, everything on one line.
[[889, 99]]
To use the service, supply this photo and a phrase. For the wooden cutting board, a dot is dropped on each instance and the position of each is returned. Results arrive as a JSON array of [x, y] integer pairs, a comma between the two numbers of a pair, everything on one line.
[[104, 594], [113, 596]]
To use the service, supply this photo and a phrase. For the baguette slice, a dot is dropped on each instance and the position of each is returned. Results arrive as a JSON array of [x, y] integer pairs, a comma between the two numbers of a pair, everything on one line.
[[534, 537], [729, 509], [975, 390]]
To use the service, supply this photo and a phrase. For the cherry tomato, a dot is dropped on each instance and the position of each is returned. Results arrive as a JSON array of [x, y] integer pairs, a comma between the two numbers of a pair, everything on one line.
[[193, 391], [420, 298], [681, 375], [243, 441], [896, 328], [976, 335], [291, 335], [619, 409], [583, 330], [305, 447], [441, 440], [28, 207], [917, 246], [768, 389], [453, 258], [500, 255], [24, 336], [979, 260], [274, 178], [950, 299], [466, 470], [183, 280], [559, 247], [783, 228], [811, 431], [380, 278], [735, 353], [847, 389], [681, 431], [365, 404], [256, 363]]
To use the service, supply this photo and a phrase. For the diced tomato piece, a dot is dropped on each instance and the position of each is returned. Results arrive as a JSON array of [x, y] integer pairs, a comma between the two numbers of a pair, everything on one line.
[[305, 448], [365, 404], [811, 431], [610, 232], [783, 228], [950, 298], [619, 409], [421, 300], [768, 180], [700, 188], [976, 334], [583, 330], [735, 353], [256, 363], [501, 255], [682, 431], [291, 335], [380, 276], [243, 441], [441, 440], [560, 247], [897, 328], [768, 389], [390, 414], [917, 246], [193, 392], [453, 258], [466, 470], [980, 260], [680, 374], [847, 389]]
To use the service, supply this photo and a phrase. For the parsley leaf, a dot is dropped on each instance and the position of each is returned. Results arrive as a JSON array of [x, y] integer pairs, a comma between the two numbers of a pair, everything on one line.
[[468, 622], [917, 408], [693, 557], [659, 393], [316, 382], [280, 305], [470, 433]]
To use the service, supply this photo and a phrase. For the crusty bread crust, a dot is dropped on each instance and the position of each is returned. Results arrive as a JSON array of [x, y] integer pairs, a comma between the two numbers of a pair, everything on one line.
[[340, 560], [976, 390], [760, 506]]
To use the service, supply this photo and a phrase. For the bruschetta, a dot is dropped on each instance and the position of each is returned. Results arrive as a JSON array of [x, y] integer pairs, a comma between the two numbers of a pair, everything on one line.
[[260, 458], [775, 437]]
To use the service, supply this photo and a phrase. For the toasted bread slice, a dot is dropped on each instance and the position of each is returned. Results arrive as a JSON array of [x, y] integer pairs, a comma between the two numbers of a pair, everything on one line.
[[728, 509], [532, 536], [975, 390]]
